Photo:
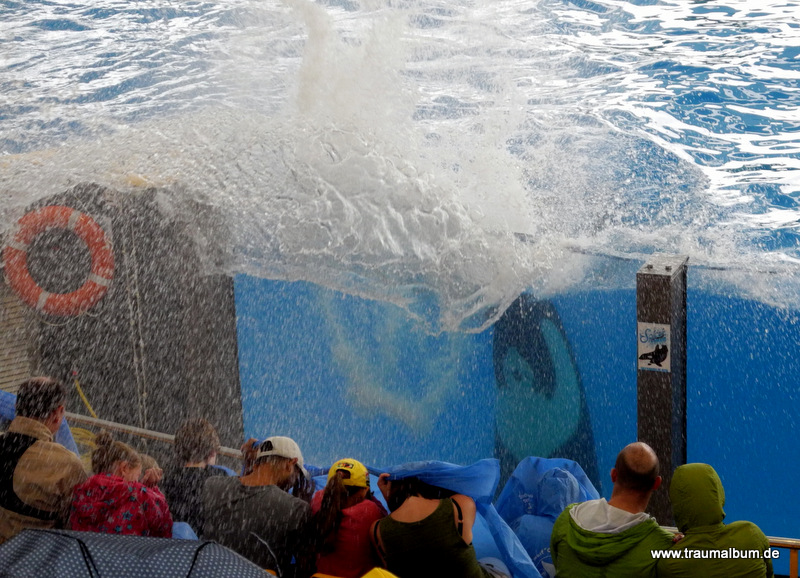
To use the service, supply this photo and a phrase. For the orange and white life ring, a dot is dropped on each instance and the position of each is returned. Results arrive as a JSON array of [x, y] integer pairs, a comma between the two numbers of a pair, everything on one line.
[[15, 258]]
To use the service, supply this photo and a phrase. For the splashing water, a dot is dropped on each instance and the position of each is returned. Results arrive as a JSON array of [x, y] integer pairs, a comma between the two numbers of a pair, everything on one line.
[[440, 156]]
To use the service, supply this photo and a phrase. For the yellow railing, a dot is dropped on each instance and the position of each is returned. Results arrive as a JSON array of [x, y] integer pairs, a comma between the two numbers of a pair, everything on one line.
[[791, 544]]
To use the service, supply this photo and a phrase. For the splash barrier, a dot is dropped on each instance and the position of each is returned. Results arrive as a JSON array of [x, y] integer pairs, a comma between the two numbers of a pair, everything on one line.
[[348, 375]]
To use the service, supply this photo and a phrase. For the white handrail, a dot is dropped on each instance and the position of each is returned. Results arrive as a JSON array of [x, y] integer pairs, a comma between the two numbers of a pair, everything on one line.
[[137, 431]]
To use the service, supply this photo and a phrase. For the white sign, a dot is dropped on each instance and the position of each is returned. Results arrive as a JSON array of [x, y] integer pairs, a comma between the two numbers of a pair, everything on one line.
[[654, 346]]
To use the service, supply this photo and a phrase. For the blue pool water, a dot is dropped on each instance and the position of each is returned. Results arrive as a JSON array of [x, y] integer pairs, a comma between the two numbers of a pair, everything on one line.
[[387, 178]]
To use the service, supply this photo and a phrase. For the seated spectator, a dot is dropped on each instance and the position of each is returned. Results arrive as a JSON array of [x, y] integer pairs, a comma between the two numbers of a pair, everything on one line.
[[196, 446], [37, 476], [534, 497], [556, 490], [697, 499], [615, 538], [428, 533], [343, 514], [149, 463], [63, 435], [113, 501], [256, 516]]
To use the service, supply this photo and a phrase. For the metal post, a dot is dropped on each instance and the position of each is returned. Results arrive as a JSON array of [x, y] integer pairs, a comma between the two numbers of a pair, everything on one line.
[[661, 368]]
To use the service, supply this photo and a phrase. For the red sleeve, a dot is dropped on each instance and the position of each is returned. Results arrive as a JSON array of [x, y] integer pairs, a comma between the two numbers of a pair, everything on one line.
[[316, 501], [158, 516]]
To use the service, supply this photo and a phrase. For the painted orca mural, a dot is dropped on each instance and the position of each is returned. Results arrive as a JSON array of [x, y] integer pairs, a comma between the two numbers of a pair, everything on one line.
[[312, 359], [348, 376], [541, 407]]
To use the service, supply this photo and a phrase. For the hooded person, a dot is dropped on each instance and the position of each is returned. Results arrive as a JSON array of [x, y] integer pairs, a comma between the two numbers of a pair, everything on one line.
[[608, 539], [534, 497], [697, 499]]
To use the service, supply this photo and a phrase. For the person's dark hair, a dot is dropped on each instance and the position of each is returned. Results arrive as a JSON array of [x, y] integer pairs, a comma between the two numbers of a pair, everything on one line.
[[108, 452], [38, 397], [195, 440], [636, 470], [404, 488], [302, 487]]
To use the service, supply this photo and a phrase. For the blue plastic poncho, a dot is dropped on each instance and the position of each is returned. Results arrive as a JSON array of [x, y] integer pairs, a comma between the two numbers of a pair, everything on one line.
[[535, 495], [63, 436], [479, 482]]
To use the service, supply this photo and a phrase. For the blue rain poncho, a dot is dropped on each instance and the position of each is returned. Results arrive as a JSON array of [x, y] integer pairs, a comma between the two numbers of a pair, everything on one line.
[[535, 495], [479, 482], [63, 436]]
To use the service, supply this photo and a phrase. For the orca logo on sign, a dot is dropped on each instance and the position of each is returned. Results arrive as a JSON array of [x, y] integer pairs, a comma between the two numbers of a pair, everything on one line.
[[653, 346]]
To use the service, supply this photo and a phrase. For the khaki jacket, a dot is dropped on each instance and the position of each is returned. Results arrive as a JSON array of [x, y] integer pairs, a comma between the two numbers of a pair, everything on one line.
[[44, 478]]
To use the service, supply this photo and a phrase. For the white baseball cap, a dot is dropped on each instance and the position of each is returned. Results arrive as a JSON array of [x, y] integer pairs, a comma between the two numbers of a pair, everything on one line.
[[283, 447]]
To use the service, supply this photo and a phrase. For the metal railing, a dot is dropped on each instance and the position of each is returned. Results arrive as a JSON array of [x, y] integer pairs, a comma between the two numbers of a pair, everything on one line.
[[76, 418], [791, 544]]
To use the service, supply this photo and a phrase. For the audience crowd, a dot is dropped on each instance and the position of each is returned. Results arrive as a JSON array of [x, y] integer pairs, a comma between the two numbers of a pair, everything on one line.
[[269, 513]]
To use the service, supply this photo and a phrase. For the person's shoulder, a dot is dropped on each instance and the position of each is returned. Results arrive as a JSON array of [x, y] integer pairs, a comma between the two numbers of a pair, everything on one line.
[[366, 509], [744, 525], [658, 535], [562, 522], [219, 484], [57, 450], [297, 502], [148, 492], [62, 459], [750, 531], [565, 513], [172, 476], [467, 504], [300, 507], [219, 470]]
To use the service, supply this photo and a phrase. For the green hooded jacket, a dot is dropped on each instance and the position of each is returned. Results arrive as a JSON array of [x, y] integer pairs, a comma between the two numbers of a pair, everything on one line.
[[697, 499], [581, 553]]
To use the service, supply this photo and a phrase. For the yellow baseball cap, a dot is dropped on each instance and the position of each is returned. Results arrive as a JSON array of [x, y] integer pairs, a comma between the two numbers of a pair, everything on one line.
[[358, 474]]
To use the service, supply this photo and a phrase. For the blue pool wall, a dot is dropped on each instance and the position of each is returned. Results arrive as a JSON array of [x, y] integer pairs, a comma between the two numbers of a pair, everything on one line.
[[310, 359], [742, 394]]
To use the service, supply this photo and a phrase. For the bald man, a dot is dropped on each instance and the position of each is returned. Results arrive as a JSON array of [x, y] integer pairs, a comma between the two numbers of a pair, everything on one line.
[[613, 538]]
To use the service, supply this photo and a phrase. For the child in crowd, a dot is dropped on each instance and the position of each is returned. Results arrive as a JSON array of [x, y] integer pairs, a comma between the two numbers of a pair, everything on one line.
[[148, 463], [114, 501], [342, 515]]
